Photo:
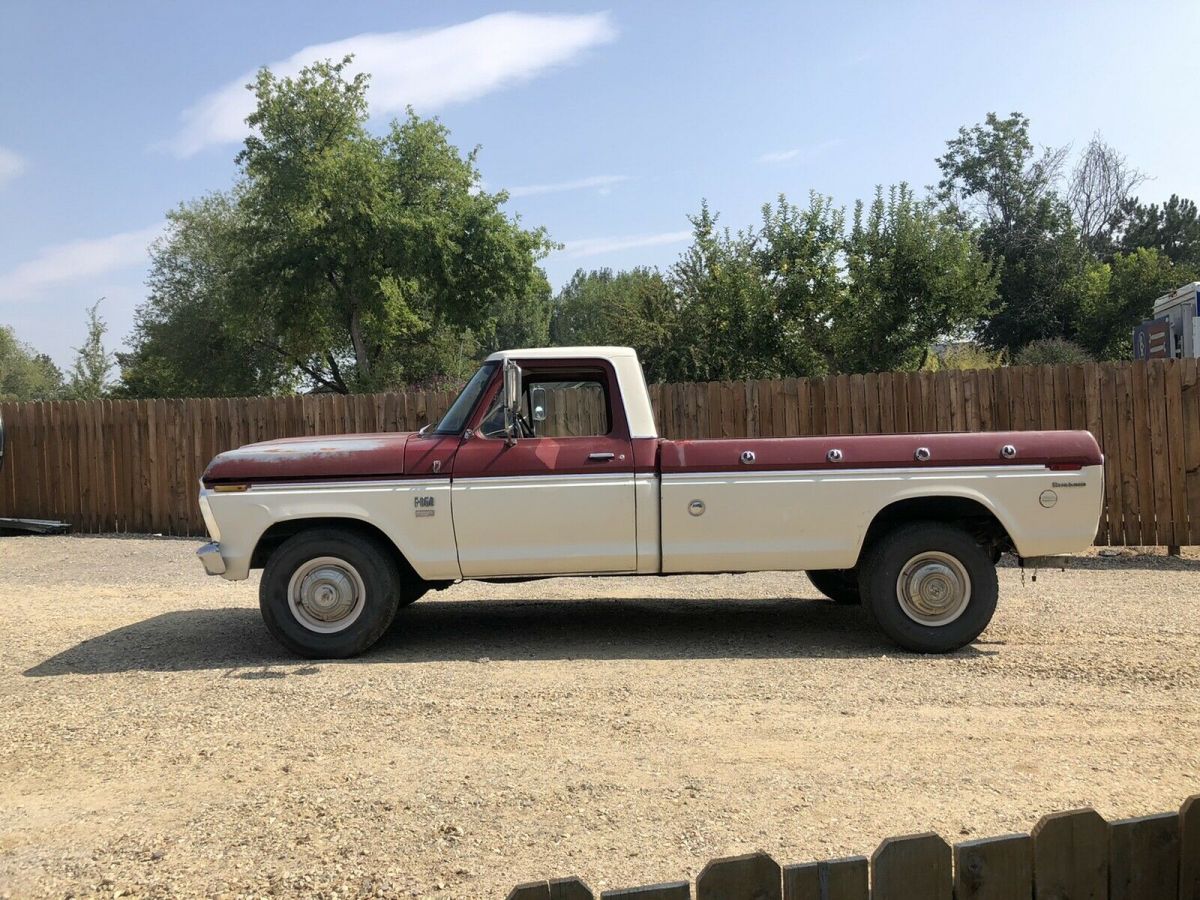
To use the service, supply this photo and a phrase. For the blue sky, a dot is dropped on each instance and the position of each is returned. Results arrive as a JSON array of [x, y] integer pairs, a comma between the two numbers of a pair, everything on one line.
[[609, 122]]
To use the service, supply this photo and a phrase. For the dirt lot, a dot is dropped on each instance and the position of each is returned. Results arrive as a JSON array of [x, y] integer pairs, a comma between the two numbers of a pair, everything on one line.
[[156, 742]]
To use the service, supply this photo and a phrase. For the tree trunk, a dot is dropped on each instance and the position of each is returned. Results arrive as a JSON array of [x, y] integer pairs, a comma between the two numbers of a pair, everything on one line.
[[362, 359]]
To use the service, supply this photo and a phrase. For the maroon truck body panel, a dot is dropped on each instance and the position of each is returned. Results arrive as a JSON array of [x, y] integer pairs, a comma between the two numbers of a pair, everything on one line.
[[875, 451], [342, 456]]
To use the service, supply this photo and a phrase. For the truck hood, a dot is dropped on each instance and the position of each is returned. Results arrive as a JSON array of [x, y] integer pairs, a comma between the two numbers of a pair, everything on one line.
[[322, 458]]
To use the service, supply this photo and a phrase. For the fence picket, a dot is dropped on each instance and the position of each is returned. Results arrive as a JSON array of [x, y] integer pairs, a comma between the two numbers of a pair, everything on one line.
[[754, 876], [831, 879], [1144, 858], [1070, 856], [916, 865], [999, 868]]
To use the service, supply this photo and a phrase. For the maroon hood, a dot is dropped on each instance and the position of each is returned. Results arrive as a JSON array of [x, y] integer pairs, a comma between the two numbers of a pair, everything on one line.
[[343, 456]]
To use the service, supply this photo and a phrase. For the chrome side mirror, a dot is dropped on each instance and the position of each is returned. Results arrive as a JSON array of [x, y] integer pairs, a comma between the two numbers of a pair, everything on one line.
[[512, 400], [537, 404]]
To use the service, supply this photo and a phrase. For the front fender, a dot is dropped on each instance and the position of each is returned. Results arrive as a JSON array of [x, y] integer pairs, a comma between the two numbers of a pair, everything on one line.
[[414, 514]]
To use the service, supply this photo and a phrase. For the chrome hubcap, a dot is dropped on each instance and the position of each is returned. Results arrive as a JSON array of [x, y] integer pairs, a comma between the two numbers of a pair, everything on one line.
[[933, 588], [326, 594]]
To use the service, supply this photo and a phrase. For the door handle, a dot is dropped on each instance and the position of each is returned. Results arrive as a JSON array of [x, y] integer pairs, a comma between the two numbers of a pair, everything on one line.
[[601, 457]]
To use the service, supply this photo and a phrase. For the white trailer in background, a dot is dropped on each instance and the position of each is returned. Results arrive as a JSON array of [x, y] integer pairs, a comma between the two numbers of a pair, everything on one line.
[[1174, 332]]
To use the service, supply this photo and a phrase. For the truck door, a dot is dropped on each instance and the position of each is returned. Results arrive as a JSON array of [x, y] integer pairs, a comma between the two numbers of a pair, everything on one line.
[[561, 499]]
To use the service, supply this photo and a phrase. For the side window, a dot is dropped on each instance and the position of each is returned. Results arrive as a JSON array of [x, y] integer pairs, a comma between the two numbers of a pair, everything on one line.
[[557, 405], [575, 408]]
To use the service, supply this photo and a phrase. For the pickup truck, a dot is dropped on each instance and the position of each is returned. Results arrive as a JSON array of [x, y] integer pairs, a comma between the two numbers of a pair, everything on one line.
[[549, 463]]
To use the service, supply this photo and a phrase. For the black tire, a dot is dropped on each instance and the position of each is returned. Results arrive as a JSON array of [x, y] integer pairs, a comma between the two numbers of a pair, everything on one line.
[[361, 555], [885, 562], [839, 585], [412, 589]]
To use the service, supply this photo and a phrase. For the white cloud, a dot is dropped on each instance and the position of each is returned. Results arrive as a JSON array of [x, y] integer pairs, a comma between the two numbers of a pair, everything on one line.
[[77, 261], [601, 182], [11, 165], [800, 154], [427, 69], [598, 246]]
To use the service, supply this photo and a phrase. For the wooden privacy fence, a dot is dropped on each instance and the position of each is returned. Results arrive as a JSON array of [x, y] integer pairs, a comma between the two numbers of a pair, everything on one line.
[[133, 465], [1069, 856]]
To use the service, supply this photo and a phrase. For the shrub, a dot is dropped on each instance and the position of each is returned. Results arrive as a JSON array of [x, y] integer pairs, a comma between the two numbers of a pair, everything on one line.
[[1052, 352]]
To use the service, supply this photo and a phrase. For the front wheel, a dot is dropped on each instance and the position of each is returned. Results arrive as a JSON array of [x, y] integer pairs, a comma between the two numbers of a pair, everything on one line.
[[839, 585], [931, 587], [328, 593]]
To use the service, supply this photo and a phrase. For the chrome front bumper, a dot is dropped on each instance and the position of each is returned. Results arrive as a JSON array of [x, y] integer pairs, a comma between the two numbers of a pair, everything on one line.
[[210, 555]]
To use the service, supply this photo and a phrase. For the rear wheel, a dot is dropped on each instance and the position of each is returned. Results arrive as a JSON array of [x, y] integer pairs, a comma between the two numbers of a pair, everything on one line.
[[839, 585], [328, 593], [931, 587]]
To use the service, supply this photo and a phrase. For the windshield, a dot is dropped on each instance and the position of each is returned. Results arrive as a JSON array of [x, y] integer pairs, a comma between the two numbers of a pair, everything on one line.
[[456, 417]]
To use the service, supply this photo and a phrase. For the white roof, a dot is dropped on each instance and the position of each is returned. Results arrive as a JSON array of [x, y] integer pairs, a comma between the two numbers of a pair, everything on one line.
[[565, 353]]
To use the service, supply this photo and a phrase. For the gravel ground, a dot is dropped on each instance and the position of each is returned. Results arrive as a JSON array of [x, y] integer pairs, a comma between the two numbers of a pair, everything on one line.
[[155, 742]]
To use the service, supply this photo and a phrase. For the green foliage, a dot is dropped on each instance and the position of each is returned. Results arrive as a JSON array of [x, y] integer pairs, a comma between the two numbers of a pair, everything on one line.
[[630, 309], [914, 278], [992, 177], [342, 260], [1172, 229], [1051, 352], [796, 296], [93, 365], [26, 374], [756, 303], [1113, 297], [184, 344]]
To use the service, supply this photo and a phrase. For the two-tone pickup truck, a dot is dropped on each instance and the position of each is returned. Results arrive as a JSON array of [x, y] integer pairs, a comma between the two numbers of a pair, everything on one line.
[[549, 463]]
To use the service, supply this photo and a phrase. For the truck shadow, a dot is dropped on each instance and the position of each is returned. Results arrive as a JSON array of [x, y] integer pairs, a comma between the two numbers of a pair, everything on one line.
[[482, 630]]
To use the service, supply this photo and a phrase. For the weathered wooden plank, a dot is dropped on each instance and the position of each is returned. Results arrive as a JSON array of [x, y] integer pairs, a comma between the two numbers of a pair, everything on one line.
[[858, 404], [1111, 445], [1160, 465], [998, 868], [754, 876], [1191, 445], [1144, 858], [1189, 849], [570, 889], [532, 890], [673, 890], [1070, 856], [912, 866], [1143, 451], [1176, 466], [832, 879]]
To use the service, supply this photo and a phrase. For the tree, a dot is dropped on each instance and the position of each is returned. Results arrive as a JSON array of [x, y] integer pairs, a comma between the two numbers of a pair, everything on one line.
[[1115, 296], [93, 364], [1173, 229], [26, 374], [635, 308], [182, 344], [914, 279], [757, 303], [993, 177], [1099, 192], [360, 262]]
